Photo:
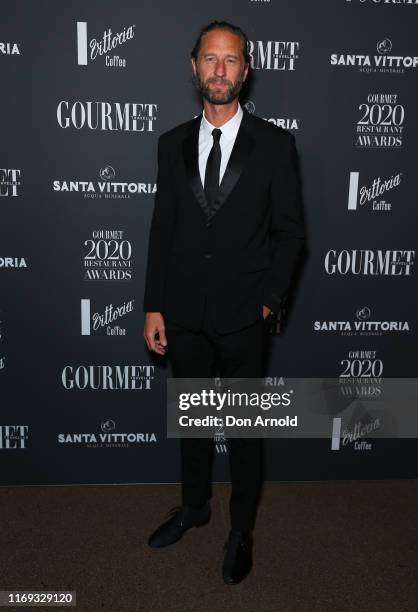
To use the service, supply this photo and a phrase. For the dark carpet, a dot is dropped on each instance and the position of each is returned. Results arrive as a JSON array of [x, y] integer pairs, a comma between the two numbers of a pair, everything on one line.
[[335, 545]]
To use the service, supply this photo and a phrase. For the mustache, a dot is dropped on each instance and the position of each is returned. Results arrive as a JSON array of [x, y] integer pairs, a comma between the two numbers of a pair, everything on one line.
[[216, 80]]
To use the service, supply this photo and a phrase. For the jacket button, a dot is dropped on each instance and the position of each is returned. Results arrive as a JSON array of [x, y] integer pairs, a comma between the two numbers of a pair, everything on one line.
[[208, 255]]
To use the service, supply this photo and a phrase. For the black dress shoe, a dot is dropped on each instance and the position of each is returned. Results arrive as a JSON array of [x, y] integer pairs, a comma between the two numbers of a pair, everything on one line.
[[182, 518], [238, 558]]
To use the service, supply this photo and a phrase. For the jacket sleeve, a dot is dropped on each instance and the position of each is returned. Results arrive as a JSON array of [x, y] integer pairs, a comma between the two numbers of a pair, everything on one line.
[[287, 237], [161, 231]]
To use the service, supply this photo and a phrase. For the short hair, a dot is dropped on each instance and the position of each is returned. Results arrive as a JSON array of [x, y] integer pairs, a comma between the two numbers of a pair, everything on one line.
[[222, 25]]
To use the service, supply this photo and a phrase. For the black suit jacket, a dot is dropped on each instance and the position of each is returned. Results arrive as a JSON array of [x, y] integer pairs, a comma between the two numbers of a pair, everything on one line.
[[241, 255]]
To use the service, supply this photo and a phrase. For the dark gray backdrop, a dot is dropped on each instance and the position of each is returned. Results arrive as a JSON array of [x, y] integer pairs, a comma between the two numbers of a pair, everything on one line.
[[54, 228]]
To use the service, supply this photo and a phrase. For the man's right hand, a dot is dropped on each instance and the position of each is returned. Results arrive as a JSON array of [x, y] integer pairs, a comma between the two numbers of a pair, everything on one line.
[[154, 324]]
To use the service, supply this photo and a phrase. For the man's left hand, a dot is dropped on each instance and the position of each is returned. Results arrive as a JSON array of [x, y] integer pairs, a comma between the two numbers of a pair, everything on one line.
[[266, 311]]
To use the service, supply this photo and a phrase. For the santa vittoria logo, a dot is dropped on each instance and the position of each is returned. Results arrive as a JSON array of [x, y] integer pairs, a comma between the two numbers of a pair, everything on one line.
[[285, 123], [384, 61], [9, 48], [13, 262], [107, 173], [109, 187], [365, 323], [106, 436]]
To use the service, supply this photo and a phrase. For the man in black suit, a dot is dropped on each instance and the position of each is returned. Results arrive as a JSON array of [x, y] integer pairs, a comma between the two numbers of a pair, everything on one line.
[[226, 235]]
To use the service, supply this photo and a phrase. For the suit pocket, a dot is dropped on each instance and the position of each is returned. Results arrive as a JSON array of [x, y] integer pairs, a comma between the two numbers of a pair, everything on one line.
[[253, 265]]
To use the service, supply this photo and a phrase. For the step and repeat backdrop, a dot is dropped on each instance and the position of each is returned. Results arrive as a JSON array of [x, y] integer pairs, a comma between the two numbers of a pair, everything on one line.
[[87, 88]]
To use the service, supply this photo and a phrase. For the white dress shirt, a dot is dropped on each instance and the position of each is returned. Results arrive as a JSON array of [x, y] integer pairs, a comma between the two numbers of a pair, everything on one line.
[[227, 140]]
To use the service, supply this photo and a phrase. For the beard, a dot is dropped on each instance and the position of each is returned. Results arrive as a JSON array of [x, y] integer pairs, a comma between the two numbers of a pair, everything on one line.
[[221, 97]]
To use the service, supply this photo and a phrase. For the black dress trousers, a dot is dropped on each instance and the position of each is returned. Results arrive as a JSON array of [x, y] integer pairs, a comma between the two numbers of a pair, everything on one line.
[[206, 354]]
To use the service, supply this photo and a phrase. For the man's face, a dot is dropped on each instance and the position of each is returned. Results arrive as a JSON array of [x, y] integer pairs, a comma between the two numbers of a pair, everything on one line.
[[220, 70]]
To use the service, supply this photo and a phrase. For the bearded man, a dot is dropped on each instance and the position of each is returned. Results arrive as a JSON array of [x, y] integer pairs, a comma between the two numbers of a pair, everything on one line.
[[226, 234]]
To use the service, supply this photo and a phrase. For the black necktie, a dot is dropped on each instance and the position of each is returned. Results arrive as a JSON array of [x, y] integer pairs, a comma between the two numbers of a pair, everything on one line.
[[213, 166]]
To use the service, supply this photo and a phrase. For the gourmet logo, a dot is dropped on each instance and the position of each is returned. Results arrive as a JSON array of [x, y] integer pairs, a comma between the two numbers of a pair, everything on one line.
[[13, 437], [369, 263], [273, 54], [9, 182], [103, 46], [108, 378], [106, 116]]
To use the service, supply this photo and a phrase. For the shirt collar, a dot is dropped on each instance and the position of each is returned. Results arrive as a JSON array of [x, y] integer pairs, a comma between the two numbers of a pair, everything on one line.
[[229, 129]]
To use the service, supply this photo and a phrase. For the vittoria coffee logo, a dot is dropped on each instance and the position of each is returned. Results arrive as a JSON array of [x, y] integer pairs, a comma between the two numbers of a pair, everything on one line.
[[13, 262], [273, 54], [353, 433], [106, 188], [108, 377], [107, 116], [9, 48], [106, 437], [359, 430], [367, 262], [13, 437], [102, 46], [9, 182], [383, 61], [371, 196], [286, 123], [108, 319], [108, 256], [381, 124], [362, 325]]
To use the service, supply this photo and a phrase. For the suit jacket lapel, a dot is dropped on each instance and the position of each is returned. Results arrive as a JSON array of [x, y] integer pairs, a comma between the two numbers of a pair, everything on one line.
[[242, 148], [244, 144], [191, 163]]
